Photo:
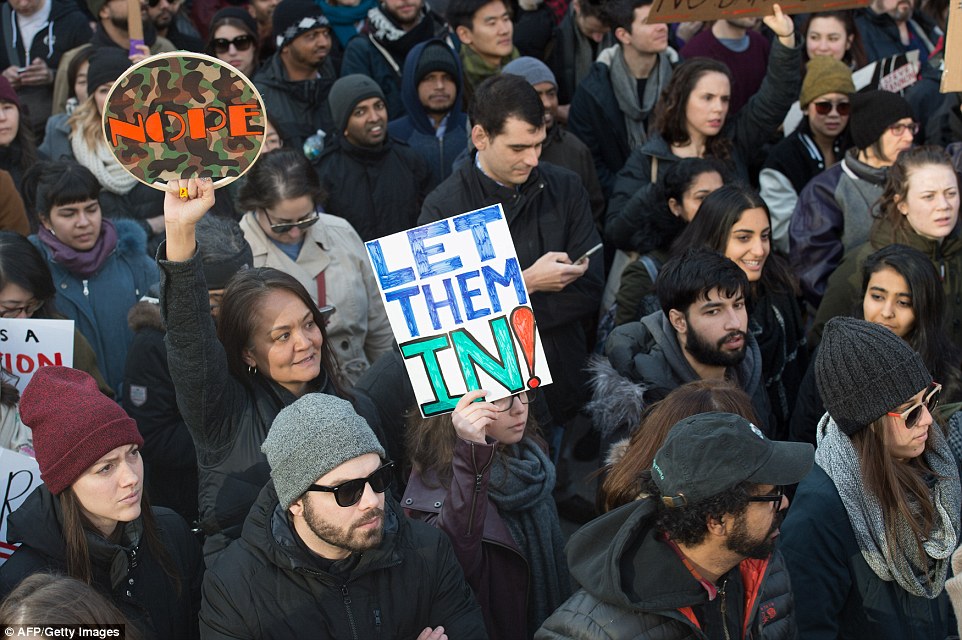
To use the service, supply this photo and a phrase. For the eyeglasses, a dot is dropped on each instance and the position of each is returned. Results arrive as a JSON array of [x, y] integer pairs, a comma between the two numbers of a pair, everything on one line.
[[899, 128], [348, 493], [27, 309], [241, 43], [505, 404], [913, 414], [305, 222], [825, 107], [771, 497]]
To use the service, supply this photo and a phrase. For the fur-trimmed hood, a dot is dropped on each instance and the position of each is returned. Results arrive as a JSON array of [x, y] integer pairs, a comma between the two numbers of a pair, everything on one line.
[[615, 400], [131, 237], [145, 315]]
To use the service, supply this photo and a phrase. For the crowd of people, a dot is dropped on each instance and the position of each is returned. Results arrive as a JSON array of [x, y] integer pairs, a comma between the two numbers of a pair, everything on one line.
[[763, 364]]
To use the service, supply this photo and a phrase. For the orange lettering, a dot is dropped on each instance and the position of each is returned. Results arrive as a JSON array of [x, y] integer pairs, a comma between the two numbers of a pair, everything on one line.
[[119, 129]]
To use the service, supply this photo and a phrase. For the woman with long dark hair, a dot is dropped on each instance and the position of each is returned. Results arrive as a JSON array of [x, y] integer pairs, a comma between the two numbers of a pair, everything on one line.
[[18, 150], [735, 221], [919, 207], [675, 203], [691, 121], [91, 520], [902, 292], [27, 291], [834, 34], [269, 348], [483, 475], [869, 537]]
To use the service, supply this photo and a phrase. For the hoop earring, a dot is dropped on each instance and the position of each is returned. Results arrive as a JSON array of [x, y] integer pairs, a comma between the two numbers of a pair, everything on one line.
[[251, 370]]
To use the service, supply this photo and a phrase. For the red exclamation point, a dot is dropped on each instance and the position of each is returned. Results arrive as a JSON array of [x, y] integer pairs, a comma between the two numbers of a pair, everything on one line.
[[522, 321]]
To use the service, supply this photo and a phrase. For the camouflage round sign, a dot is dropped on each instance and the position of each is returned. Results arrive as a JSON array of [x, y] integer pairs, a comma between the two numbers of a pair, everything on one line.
[[184, 115]]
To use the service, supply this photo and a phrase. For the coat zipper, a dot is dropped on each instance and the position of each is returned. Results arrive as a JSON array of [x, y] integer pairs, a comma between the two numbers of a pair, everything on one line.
[[86, 290], [377, 621], [478, 477], [350, 614], [724, 609]]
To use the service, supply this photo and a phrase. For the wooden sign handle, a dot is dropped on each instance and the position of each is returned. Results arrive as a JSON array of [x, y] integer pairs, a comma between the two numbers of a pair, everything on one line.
[[135, 27]]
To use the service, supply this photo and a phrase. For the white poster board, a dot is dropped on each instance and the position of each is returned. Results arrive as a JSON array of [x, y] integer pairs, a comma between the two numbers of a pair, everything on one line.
[[27, 344], [457, 303], [19, 476]]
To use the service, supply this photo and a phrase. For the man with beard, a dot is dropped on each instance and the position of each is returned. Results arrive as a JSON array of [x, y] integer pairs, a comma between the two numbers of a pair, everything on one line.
[[695, 556], [174, 25], [891, 27], [389, 33], [375, 183], [735, 42], [701, 332], [111, 31], [434, 126], [326, 554], [295, 81]]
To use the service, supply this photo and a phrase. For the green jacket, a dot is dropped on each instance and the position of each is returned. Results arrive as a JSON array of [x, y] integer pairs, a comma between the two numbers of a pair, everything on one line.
[[844, 290]]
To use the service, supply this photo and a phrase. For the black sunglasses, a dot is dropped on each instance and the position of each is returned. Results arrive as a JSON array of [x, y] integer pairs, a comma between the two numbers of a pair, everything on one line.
[[824, 108], [771, 497], [241, 43], [349, 492], [283, 227]]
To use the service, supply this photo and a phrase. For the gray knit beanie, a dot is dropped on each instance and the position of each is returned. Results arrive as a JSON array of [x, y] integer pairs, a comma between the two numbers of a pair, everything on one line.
[[346, 93], [531, 69], [863, 371], [310, 438]]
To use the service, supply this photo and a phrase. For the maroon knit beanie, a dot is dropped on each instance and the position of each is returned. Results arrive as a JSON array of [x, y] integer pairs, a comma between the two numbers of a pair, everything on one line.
[[7, 94], [73, 424]]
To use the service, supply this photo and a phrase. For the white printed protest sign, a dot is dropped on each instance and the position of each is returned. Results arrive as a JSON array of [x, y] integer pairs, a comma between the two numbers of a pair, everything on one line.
[[27, 344]]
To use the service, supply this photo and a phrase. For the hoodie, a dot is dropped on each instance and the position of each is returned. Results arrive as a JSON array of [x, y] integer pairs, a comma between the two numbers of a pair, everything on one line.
[[417, 127], [634, 586]]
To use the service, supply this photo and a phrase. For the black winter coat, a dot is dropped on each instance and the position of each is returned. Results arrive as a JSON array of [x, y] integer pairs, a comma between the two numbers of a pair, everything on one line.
[[227, 418], [130, 577], [297, 109], [634, 586], [267, 585], [748, 131], [378, 191], [838, 594], [549, 212], [150, 398]]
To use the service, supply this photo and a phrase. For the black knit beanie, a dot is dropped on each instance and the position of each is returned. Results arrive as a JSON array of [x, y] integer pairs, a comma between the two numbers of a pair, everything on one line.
[[346, 93], [106, 65], [863, 371], [436, 56], [292, 18], [872, 113], [235, 13]]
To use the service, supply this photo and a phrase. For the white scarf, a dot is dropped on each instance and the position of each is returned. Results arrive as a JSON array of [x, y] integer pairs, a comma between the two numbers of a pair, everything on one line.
[[106, 168]]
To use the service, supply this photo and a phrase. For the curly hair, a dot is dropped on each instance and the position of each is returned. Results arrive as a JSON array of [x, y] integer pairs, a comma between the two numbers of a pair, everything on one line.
[[687, 525]]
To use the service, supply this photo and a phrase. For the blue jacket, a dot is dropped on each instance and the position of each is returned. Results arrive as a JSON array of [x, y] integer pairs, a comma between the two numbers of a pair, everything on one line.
[[417, 127], [99, 304]]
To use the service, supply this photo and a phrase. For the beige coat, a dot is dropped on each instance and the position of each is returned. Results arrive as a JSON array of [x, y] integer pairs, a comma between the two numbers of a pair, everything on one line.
[[359, 330]]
